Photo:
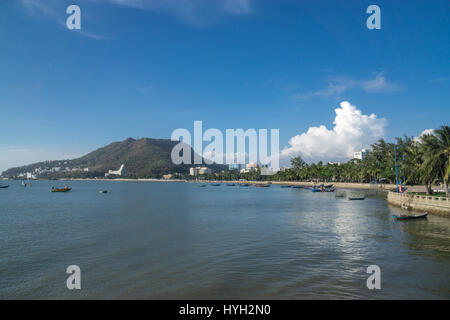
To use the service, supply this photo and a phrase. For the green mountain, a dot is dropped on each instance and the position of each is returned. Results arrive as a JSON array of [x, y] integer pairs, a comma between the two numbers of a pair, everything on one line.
[[143, 158]]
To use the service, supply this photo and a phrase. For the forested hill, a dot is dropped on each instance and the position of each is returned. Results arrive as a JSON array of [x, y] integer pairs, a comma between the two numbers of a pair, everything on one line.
[[142, 158]]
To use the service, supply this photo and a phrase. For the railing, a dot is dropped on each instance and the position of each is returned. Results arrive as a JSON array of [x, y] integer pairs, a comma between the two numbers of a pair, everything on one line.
[[405, 199]]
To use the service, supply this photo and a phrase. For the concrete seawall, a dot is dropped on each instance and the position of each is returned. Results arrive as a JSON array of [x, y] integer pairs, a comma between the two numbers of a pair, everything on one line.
[[432, 205]]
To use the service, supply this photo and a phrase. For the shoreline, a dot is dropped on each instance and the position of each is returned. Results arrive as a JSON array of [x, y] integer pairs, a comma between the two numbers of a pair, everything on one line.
[[342, 185]]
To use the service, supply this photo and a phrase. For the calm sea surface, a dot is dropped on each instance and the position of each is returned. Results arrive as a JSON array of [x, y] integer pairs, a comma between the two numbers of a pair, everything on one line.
[[155, 240]]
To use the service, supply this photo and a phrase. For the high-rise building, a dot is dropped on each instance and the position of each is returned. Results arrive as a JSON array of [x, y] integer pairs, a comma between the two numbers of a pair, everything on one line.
[[360, 154]]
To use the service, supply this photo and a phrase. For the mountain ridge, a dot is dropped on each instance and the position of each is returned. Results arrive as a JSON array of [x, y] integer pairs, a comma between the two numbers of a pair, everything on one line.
[[143, 158]]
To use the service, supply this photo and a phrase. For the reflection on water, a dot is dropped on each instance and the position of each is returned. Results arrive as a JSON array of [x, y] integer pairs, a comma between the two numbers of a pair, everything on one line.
[[174, 241]]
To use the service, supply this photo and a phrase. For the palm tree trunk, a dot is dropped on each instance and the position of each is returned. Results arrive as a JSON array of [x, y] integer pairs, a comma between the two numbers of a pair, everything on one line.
[[445, 184], [429, 189], [446, 188]]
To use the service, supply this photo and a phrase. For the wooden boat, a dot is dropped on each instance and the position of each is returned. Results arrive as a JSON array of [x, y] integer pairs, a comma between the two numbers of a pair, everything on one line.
[[285, 186], [340, 193], [65, 189], [244, 185], [413, 216], [230, 184], [356, 197], [262, 185]]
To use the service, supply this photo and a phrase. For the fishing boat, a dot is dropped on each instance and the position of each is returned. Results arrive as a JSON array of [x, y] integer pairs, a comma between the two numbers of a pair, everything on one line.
[[201, 185], [230, 184], [285, 186], [356, 197], [297, 187], [412, 216], [215, 184], [3, 187], [103, 191], [262, 185], [316, 190], [65, 189], [244, 185]]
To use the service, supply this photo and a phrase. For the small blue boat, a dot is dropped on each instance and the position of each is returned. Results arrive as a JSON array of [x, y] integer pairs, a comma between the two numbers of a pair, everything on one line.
[[408, 217]]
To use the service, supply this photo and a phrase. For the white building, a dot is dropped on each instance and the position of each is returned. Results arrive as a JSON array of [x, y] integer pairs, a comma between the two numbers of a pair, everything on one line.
[[360, 154], [251, 165], [199, 171], [120, 172]]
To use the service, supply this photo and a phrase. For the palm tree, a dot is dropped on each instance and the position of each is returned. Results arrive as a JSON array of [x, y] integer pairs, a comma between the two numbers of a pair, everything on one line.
[[441, 154], [433, 167]]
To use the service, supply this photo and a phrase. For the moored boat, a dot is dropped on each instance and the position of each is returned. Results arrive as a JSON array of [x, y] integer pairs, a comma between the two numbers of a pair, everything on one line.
[[3, 187], [412, 216], [356, 197], [65, 189], [103, 191], [259, 185], [215, 184]]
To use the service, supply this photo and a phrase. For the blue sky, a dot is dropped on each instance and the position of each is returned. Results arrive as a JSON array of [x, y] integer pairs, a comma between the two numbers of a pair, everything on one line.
[[142, 68]]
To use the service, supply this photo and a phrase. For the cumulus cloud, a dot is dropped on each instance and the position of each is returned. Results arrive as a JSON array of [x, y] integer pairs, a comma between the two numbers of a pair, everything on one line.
[[339, 85], [424, 132], [352, 131]]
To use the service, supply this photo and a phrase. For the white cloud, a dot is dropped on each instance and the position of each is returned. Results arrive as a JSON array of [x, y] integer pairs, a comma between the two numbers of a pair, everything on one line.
[[424, 132], [379, 84], [197, 12], [193, 11], [352, 131], [238, 6], [339, 85]]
